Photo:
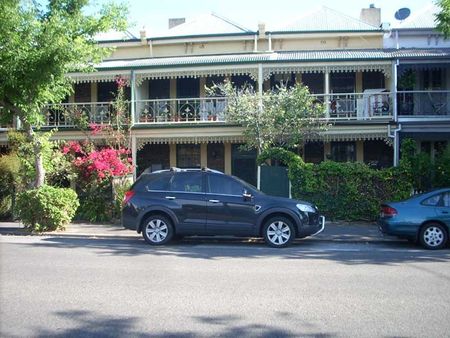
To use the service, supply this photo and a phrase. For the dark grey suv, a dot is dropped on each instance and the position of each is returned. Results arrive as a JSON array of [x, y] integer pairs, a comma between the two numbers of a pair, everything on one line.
[[180, 202]]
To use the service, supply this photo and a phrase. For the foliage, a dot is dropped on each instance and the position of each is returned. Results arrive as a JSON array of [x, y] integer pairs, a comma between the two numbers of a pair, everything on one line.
[[47, 208], [9, 173], [57, 168], [443, 17], [442, 169], [277, 118], [421, 170], [39, 47], [345, 191]]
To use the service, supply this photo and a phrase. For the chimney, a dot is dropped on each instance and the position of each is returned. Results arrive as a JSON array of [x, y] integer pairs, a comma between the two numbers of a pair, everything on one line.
[[143, 35], [173, 22], [371, 15], [262, 30]]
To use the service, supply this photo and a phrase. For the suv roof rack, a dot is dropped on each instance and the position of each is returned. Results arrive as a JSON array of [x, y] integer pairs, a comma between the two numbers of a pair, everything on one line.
[[176, 169]]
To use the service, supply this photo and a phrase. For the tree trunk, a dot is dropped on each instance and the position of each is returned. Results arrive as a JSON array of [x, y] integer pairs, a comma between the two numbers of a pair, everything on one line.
[[38, 161]]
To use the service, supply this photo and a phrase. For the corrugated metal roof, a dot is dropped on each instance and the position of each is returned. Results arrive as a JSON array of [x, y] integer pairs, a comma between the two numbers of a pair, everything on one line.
[[424, 18], [206, 24], [114, 35], [326, 19], [274, 57]]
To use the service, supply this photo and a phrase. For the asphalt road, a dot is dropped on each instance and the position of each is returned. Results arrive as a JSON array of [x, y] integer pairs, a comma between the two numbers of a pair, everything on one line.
[[74, 287]]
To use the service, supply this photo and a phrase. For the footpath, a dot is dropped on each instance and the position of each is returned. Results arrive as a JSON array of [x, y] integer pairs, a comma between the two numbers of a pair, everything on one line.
[[333, 232]]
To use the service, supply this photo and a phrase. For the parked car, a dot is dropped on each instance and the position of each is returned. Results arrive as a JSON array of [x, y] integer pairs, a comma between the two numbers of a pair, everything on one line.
[[423, 218], [180, 202]]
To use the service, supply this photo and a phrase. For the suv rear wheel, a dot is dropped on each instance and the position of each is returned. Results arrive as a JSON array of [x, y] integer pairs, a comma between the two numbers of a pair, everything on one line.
[[278, 232], [157, 230]]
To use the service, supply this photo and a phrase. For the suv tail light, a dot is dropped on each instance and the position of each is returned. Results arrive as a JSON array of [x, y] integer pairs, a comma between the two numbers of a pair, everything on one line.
[[128, 196], [387, 211]]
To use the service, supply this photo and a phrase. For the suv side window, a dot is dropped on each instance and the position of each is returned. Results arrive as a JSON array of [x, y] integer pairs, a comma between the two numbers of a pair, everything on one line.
[[158, 182], [224, 185], [186, 182]]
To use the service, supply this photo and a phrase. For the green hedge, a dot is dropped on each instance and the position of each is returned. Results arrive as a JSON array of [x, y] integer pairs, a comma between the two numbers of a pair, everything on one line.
[[344, 191], [47, 208]]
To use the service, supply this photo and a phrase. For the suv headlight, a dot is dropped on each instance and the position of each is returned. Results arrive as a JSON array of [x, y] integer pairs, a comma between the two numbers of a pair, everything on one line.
[[305, 208]]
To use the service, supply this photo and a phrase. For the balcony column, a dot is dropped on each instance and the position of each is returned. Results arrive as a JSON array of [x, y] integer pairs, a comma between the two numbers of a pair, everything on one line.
[[133, 97], [134, 156], [260, 92], [227, 157], [394, 88], [327, 91], [94, 98]]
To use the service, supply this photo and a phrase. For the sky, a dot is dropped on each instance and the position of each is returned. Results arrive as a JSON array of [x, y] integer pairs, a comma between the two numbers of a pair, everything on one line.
[[154, 14]]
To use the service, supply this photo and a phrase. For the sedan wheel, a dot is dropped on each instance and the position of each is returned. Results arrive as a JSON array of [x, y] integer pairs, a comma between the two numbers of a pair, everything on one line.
[[433, 236], [278, 232], [157, 230]]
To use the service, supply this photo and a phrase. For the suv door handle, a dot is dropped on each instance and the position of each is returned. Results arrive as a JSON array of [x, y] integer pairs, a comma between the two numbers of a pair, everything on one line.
[[170, 197], [214, 201]]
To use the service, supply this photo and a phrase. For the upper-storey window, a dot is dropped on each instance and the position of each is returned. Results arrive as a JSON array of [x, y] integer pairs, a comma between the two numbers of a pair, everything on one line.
[[188, 88], [315, 82], [241, 81], [158, 89], [107, 91], [342, 82]]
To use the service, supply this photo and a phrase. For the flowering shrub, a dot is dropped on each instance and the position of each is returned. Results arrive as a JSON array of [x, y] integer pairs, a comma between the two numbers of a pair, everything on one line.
[[98, 164]]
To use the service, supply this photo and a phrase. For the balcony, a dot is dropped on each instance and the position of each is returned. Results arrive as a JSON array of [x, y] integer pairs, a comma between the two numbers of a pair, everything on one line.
[[68, 115], [428, 104], [191, 110], [370, 105], [340, 107]]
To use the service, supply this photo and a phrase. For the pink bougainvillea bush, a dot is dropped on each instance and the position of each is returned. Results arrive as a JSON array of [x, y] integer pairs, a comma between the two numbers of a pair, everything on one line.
[[98, 164], [95, 168]]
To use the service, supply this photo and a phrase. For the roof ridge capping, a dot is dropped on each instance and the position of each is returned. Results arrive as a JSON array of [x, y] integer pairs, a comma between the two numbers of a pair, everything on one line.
[[231, 22], [316, 22]]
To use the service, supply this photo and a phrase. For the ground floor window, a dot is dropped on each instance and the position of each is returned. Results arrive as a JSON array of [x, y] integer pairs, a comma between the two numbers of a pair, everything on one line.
[[343, 151], [378, 154], [216, 156], [188, 156], [313, 152], [153, 156], [243, 164]]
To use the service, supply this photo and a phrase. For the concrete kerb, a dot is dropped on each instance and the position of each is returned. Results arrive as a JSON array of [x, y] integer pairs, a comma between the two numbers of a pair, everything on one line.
[[334, 232]]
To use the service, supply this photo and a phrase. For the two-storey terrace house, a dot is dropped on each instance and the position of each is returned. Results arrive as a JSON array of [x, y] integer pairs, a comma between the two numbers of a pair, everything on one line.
[[174, 123], [423, 83]]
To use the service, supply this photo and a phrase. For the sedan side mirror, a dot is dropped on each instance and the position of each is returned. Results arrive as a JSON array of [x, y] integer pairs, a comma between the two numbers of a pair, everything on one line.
[[247, 196]]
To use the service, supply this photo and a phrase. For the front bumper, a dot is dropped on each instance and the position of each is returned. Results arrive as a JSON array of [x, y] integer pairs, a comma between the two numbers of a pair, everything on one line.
[[312, 229]]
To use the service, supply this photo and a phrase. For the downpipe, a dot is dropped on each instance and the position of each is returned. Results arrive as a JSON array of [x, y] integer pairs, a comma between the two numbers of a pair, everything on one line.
[[394, 134]]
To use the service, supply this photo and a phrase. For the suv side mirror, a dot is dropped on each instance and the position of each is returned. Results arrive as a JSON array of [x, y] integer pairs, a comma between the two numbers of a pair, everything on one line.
[[247, 196]]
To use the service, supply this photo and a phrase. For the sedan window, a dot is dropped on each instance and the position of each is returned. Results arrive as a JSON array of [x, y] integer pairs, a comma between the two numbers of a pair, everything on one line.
[[432, 201], [446, 199]]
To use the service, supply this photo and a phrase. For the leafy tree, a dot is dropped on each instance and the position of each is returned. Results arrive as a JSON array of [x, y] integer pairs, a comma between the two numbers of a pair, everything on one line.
[[38, 48], [279, 118], [443, 17]]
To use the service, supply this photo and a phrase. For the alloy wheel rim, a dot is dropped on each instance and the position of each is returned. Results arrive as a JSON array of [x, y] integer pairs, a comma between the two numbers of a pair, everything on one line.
[[433, 236], [156, 230], [278, 233]]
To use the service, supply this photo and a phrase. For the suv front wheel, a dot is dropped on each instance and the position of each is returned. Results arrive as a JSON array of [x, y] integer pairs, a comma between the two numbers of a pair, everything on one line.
[[157, 230], [278, 232]]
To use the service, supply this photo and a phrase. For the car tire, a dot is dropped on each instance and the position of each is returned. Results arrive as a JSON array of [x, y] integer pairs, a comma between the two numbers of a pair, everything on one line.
[[433, 236], [278, 232], [157, 230]]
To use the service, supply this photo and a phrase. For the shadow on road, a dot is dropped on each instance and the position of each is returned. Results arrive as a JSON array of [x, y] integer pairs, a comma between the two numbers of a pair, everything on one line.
[[89, 324], [388, 253]]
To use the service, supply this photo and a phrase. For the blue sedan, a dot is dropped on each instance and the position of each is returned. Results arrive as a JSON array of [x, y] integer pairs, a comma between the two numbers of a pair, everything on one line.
[[423, 218]]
